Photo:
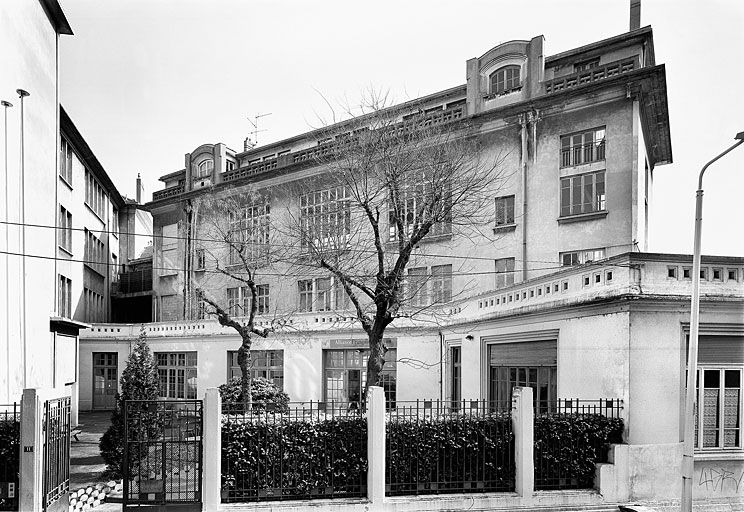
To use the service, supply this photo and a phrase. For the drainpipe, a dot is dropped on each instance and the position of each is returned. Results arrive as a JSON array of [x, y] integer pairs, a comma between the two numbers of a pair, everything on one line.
[[523, 171], [441, 367], [7, 104], [22, 94]]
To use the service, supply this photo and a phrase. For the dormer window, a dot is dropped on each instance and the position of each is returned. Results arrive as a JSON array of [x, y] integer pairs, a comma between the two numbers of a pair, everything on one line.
[[505, 79], [204, 169]]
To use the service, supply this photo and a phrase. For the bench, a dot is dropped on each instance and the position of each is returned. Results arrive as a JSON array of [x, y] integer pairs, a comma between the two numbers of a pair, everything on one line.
[[75, 431]]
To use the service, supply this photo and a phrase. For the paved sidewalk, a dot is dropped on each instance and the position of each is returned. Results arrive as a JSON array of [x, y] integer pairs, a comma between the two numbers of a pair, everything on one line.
[[86, 463]]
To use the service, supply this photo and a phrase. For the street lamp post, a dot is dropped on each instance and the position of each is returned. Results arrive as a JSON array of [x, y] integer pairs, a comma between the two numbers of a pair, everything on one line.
[[692, 351]]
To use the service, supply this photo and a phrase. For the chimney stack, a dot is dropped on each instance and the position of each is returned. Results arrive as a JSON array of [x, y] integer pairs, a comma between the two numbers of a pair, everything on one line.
[[635, 14], [139, 189]]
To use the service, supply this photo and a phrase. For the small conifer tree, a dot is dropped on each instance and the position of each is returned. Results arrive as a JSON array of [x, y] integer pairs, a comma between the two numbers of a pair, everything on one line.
[[139, 381]]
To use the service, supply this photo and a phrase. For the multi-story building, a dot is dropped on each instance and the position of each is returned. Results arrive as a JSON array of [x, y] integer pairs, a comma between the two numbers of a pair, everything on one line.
[[38, 340]]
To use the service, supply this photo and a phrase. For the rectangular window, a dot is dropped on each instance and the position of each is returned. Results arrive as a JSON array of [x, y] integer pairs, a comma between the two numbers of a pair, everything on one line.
[[200, 259], [267, 364], [584, 193], [504, 210], [249, 233], [323, 301], [305, 289], [455, 376], [64, 224], [94, 307], [65, 161], [417, 280], [114, 222], [580, 257], [64, 299], [584, 147], [504, 272], [441, 284], [325, 218], [719, 408], [586, 65], [177, 374], [95, 196], [414, 200], [344, 375], [532, 364], [239, 300], [95, 253]]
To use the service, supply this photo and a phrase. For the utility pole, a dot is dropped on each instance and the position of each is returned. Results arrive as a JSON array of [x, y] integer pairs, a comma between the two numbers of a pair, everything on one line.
[[22, 94]]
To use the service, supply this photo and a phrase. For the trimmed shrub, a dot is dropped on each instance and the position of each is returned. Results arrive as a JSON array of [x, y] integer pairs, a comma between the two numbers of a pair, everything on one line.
[[264, 393], [568, 448], [284, 458], [10, 441], [450, 454], [139, 381]]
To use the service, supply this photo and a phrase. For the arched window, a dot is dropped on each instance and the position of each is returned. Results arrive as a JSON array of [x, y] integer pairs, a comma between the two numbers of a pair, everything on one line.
[[205, 169], [505, 79]]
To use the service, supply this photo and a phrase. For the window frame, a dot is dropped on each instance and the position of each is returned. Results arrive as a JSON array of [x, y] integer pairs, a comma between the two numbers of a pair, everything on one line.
[[503, 80], [64, 237], [505, 275], [574, 147], [388, 374], [581, 256], [273, 372], [249, 228], [64, 296], [325, 218], [189, 368], [505, 208], [699, 439], [575, 184]]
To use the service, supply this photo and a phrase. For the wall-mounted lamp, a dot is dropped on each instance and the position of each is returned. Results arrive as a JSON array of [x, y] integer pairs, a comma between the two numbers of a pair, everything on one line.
[[469, 337]]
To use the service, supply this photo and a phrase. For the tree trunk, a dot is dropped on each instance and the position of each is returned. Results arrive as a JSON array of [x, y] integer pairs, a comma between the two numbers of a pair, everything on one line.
[[376, 359], [246, 379]]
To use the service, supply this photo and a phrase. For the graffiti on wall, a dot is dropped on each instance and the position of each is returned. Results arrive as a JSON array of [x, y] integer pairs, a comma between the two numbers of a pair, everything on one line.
[[721, 480]]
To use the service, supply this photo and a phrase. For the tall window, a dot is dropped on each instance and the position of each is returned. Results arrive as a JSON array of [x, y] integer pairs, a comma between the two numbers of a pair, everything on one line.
[[64, 233], [239, 300], [719, 408], [530, 364], [414, 200], [95, 253], [441, 284], [95, 196], [455, 375], [94, 307], [504, 272], [581, 257], [344, 375], [505, 79], [581, 148], [504, 210], [325, 218], [204, 169], [64, 292], [249, 232], [177, 374], [268, 364], [65, 161], [322, 294], [417, 280], [584, 193]]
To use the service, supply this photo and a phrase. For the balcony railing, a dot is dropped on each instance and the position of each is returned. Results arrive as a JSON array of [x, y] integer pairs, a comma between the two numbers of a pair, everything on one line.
[[591, 75], [322, 151], [167, 192], [583, 153], [136, 281]]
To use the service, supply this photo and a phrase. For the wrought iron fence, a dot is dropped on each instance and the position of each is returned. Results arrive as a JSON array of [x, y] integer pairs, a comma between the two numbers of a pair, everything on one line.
[[10, 440], [304, 450], [163, 453], [436, 447], [56, 469], [571, 437]]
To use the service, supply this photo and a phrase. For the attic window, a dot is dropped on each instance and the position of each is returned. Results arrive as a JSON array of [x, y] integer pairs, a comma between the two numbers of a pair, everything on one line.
[[505, 80], [586, 65], [205, 169]]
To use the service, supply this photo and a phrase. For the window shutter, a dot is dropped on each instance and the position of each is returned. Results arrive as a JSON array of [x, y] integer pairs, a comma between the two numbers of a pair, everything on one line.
[[720, 349], [530, 353]]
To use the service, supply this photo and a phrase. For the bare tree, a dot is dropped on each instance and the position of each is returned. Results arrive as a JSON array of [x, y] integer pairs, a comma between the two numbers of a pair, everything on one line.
[[234, 233], [387, 180]]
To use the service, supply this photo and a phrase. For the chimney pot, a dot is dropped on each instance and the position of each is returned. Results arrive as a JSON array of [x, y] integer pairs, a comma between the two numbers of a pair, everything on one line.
[[635, 14]]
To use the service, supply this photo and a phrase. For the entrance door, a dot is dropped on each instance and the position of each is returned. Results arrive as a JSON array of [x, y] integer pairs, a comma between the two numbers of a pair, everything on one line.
[[105, 366]]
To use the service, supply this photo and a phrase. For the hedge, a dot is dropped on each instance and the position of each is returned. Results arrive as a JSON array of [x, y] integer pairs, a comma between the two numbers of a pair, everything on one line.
[[10, 441], [568, 448], [450, 454], [283, 458]]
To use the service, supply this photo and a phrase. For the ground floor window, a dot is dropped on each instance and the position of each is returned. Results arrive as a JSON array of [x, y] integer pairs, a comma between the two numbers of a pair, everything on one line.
[[268, 364], [177, 374], [345, 372], [105, 379], [527, 364], [718, 417], [455, 375]]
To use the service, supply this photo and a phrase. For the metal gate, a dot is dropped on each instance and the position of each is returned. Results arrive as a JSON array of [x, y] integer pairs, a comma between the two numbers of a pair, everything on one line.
[[163, 455], [56, 467]]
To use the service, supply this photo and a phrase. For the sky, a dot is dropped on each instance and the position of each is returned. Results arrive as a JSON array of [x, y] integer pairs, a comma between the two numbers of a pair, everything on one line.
[[146, 81]]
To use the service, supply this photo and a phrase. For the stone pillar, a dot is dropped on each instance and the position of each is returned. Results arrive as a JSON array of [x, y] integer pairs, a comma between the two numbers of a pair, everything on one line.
[[376, 447], [523, 419], [32, 450], [212, 436]]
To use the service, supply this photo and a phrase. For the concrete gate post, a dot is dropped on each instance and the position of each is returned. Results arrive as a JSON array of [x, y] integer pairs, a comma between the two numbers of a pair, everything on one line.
[[212, 437], [523, 423], [376, 447]]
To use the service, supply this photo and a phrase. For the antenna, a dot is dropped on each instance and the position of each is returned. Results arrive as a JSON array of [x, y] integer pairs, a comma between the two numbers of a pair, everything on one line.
[[254, 122]]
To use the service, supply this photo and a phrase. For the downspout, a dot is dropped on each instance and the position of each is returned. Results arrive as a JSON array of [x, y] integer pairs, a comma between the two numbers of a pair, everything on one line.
[[523, 171], [187, 259], [441, 367]]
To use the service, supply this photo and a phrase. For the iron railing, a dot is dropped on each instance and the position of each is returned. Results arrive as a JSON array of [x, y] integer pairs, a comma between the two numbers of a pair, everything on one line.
[[435, 447], [163, 453], [10, 441], [56, 468], [583, 153], [304, 450], [571, 437]]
